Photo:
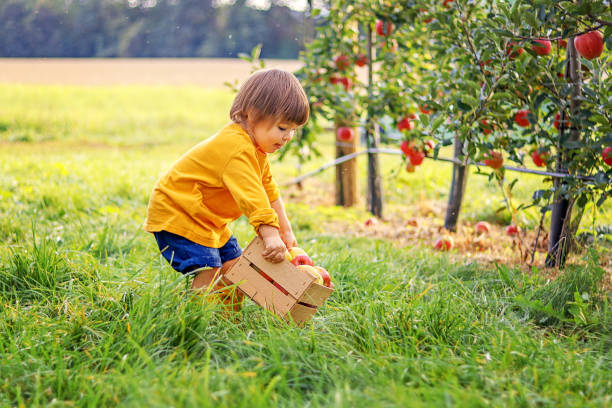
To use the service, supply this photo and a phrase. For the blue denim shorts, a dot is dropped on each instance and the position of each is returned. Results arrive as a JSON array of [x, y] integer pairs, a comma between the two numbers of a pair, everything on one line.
[[186, 256]]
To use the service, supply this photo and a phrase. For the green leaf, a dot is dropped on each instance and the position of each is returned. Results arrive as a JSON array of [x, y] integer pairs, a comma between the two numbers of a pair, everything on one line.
[[437, 122]]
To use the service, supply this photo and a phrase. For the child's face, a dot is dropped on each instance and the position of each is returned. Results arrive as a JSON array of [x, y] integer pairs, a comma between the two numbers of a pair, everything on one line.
[[270, 135]]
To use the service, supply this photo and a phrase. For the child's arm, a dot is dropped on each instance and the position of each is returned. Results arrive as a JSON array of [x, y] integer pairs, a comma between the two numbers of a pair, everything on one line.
[[286, 233]]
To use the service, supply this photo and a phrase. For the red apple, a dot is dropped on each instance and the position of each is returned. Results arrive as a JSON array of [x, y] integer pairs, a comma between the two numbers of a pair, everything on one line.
[[302, 260], [416, 158], [341, 80], [513, 50], [425, 109], [486, 127], [344, 134], [539, 158], [362, 60], [606, 155], [512, 230], [427, 19], [346, 82], [384, 28], [541, 47], [482, 227], [370, 222], [406, 148], [405, 124], [557, 122], [444, 243], [562, 43], [430, 145], [493, 159], [325, 275], [590, 45], [447, 3], [342, 62], [521, 118]]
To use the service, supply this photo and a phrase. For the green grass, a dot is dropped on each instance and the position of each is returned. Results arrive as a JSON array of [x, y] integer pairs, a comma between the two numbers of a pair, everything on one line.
[[90, 315]]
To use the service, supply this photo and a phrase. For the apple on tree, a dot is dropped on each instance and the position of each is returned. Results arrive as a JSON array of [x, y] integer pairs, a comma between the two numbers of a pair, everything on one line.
[[346, 82], [344, 134], [562, 43], [513, 50], [384, 28], [486, 127], [557, 122], [416, 157], [539, 157], [362, 60], [493, 159], [405, 124], [541, 46], [606, 155], [342, 62], [590, 45], [430, 145], [425, 109], [521, 118], [407, 147]]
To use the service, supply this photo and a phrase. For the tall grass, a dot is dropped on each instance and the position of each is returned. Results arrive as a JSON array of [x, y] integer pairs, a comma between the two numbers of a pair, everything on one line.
[[91, 315]]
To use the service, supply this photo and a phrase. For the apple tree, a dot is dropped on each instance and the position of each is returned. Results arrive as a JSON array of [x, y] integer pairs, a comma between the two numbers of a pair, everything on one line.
[[501, 80]]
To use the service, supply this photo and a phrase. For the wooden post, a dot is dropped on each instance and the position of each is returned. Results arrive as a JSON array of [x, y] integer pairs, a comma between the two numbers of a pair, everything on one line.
[[347, 191], [458, 184]]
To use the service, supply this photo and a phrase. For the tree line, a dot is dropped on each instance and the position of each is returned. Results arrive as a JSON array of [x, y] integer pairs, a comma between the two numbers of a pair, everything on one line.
[[148, 28]]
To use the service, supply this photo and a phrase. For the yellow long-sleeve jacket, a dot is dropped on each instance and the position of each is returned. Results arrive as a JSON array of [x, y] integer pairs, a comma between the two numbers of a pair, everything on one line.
[[211, 185]]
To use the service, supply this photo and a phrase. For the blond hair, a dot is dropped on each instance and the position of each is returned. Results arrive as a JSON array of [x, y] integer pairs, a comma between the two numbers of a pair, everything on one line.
[[271, 94]]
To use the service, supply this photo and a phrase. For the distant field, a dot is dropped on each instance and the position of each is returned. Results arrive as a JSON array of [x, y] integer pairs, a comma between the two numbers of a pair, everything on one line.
[[207, 72]]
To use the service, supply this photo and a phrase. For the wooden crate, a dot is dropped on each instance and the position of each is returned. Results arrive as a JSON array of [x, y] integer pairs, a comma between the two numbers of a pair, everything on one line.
[[280, 288]]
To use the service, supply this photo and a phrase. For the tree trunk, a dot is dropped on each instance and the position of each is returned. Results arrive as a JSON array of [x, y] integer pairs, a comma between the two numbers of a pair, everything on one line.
[[375, 192], [561, 233], [460, 173]]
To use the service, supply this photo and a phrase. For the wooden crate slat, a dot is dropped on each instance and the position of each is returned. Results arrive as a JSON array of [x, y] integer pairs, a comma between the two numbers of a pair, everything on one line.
[[258, 288], [285, 273], [300, 314], [316, 295]]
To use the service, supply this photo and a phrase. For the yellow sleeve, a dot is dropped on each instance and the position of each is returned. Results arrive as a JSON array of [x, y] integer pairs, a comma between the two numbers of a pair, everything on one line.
[[269, 183], [242, 176]]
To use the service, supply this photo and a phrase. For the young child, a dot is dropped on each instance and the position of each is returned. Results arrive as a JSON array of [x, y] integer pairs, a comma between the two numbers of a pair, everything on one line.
[[226, 176]]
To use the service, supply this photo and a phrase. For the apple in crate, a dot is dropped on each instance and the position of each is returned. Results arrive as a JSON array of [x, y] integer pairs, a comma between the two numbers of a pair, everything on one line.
[[325, 275], [312, 271]]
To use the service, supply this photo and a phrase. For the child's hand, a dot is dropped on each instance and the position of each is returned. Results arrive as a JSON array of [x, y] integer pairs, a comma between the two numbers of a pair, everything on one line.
[[274, 247], [289, 239]]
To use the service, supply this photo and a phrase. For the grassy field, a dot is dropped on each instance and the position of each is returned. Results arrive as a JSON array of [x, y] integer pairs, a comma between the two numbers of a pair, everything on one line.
[[91, 316]]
